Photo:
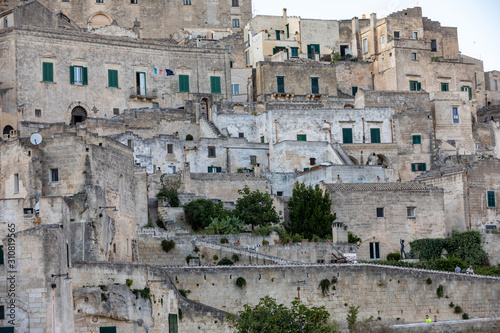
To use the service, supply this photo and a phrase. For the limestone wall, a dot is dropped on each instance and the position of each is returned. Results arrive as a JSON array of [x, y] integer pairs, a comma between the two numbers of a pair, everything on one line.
[[386, 292], [491, 244]]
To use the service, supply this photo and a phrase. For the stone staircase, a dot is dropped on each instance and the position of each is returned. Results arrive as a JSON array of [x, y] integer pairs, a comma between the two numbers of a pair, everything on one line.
[[171, 225], [208, 124], [342, 153]]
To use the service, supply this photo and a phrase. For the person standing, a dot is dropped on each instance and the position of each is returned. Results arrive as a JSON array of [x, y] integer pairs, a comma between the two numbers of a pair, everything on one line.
[[435, 319], [427, 319], [469, 270], [458, 269]]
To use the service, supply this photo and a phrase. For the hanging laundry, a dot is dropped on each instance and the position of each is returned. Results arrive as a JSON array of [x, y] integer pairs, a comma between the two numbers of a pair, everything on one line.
[[156, 70], [161, 70], [169, 72]]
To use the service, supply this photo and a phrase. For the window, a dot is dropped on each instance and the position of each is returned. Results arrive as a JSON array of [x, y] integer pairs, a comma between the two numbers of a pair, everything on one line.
[[262, 139], [415, 86], [415, 35], [236, 3], [380, 212], [410, 212], [374, 251], [347, 135], [215, 85], [2, 307], [354, 90], [295, 52], [54, 175], [236, 89], [230, 63], [365, 45], [375, 135], [172, 323], [109, 329], [279, 49], [170, 148], [491, 199], [187, 2], [116, 111], [133, 1], [5, 23], [495, 85], [315, 85], [396, 35], [38, 113], [184, 83], [47, 72], [306, 169], [129, 143], [434, 46], [236, 23], [247, 58], [456, 119], [279, 193], [253, 159], [99, 1], [445, 87], [312, 161], [467, 88], [288, 31], [140, 83], [241, 135], [312, 49], [16, 183], [418, 167], [278, 34], [112, 78], [414, 56], [1, 258], [301, 137], [65, 0], [281, 84], [213, 169], [67, 254], [417, 139], [211, 151], [78, 75], [382, 39]]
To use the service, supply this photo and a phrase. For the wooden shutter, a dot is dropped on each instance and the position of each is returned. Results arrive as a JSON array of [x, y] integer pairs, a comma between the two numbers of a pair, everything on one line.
[[183, 83], [107, 329], [413, 167], [210, 169], [419, 86], [215, 84], [48, 72], [417, 139], [72, 74], [172, 323], [354, 90], [315, 85], [219, 169], [84, 76], [278, 33], [281, 84], [424, 167], [347, 135], [491, 199], [375, 135], [372, 254]]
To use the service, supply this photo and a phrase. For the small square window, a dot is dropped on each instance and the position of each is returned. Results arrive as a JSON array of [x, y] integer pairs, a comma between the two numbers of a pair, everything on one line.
[[116, 111], [380, 212], [155, 105], [414, 56], [38, 113], [133, 1], [410, 212], [396, 35], [235, 3], [417, 139], [415, 35], [279, 193], [418, 167], [253, 159], [170, 148], [312, 161], [99, 1], [211, 151], [187, 2], [445, 87], [241, 135], [54, 175], [301, 137]]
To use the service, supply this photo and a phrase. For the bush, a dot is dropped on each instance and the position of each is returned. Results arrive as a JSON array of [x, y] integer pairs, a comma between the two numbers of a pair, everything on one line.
[[465, 316], [184, 293], [129, 282], [428, 248], [235, 258], [216, 257], [458, 309], [440, 291], [199, 213], [189, 257], [241, 282], [394, 256], [491, 271], [448, 264], [352, 316], [265, 242], [224, 240], [189, 137], [225, 262], [324, 285], [352, 238], [297, 238], [451, 305], [266, 231], [429, 281], [224, 226], [167, 245]]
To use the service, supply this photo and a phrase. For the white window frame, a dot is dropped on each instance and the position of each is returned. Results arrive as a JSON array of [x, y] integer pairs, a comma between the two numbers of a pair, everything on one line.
[[382, 39], [410, 212], [365, 45], [16, 183], [51, 175], [235, 87], [78, 75]]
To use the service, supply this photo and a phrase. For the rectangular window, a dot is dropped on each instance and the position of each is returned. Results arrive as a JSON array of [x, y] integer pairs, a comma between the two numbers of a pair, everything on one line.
[[301, 137], [99, 1], [54, 175], [375, 135], [445, 87], [382, 39], [38, 113], [253, 159], [170, 148], [47, 72], [172, 323], [374, 251], [415, 35], [116, 111], [347, 135], [415, 86], [78, 75], [133, 1], [491, 199], [396, 35], [306, 169], [16, 183], [67, 255], [380, 212], [417, 139], [2, 307], [236, 23], [315, 85], [278, 34], [1, 257], [262, 139], [418, 167], [434, 46], [241, 135], [288, 31], [456, 119], [495, 85], [247, 58], [213, 169], [187, 2], [140, 82], [236, 3], [211, 151], [414, 56], [312, 161], [354, 90], [112, 78], [410, 212], [108, 329], [295, 52], [129, 143], [280, 80], [279, 193], [215, 85], [236, 89], [184, 83], [312, 49], [365, 45], [468, 89]]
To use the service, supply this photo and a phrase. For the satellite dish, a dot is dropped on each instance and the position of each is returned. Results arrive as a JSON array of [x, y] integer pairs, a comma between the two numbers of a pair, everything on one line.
[[36, 139]]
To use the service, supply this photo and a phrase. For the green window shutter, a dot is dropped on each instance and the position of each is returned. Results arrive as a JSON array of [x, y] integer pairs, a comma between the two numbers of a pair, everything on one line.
[[85, 80], [354, 90], [1, 254], [301, 137], [215, 84], [288, 31], [112, 78], [262, 139], [467, 88], [72, 74], [417, 140], [278, 33], [316, 48], [210, 169], [295, 51], [491, 199], [107, 329], [445, 87], [6, 329], [275, 50], [183, 83], [424, 167], [281, 84], [419, 86], [347, 135], [310, 51], [375, 135], [413, 167], [48, 72], [172, 323], [315, 85], [219, 169]]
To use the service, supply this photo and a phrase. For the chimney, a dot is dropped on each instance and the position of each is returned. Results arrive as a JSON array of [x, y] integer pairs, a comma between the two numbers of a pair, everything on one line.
[[373, 20], [363, 17], [284, 14]]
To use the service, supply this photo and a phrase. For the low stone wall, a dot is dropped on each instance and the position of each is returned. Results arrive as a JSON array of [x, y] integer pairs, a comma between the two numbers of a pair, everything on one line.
[[396, 295], [202, 318], [454, 326]]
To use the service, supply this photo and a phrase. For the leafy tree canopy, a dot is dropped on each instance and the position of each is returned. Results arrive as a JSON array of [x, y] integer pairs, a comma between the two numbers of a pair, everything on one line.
[[255, 208], [200, 212], [309, 212]]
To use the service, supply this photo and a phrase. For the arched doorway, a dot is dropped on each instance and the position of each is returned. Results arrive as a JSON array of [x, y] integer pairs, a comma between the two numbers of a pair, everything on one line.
[[7, 129], [78, 115], [205, 107], [354, 160], [99, 21]]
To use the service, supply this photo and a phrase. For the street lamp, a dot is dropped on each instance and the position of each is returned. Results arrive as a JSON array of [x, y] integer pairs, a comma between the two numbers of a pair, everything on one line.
[[55, 276]]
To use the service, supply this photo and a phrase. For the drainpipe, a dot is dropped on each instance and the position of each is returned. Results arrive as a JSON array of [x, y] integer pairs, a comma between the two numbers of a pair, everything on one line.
[[392, 134], [468, 198], [228, 163], [268, 163], [276, 129], [364, 137], [185, 154]]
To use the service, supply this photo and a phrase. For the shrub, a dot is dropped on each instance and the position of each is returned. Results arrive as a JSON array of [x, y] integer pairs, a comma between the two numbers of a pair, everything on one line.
[[184, 293], [215, 257], [224, 226], [196, 249], [225, 262], [394, 256], [352, 316], [189, 137], [448, 264], [160, 224], [144, 293], [491, 271], [352, 238], [181, 315], [428, 248], [440, 291], [129, 282], [235, 258], [241, 282], [458, 309], [224, 241], [297, 238], [451, 305], [324, 285], [265, 242], [167, 245], [465, 316], [200, 212], [429, 281]]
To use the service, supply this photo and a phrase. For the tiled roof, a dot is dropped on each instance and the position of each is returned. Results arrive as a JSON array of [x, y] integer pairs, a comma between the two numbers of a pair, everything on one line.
[[349, 187]]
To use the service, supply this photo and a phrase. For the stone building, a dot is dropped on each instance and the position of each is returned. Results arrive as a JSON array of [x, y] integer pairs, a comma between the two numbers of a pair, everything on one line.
[[492, 79]]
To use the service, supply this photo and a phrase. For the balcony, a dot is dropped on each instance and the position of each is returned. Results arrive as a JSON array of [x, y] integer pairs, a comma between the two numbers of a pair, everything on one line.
[[137, 93]]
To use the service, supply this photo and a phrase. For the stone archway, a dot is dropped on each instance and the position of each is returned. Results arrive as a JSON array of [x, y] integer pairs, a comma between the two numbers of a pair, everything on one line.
[[205, 107], [7, 129], [78, 115], [100, 20], [354, 160]]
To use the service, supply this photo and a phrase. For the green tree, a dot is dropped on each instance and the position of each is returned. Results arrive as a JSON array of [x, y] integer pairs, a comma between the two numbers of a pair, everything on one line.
[[200, 212], [270, 317], [169, 189], [255, 208], [309, 212]]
